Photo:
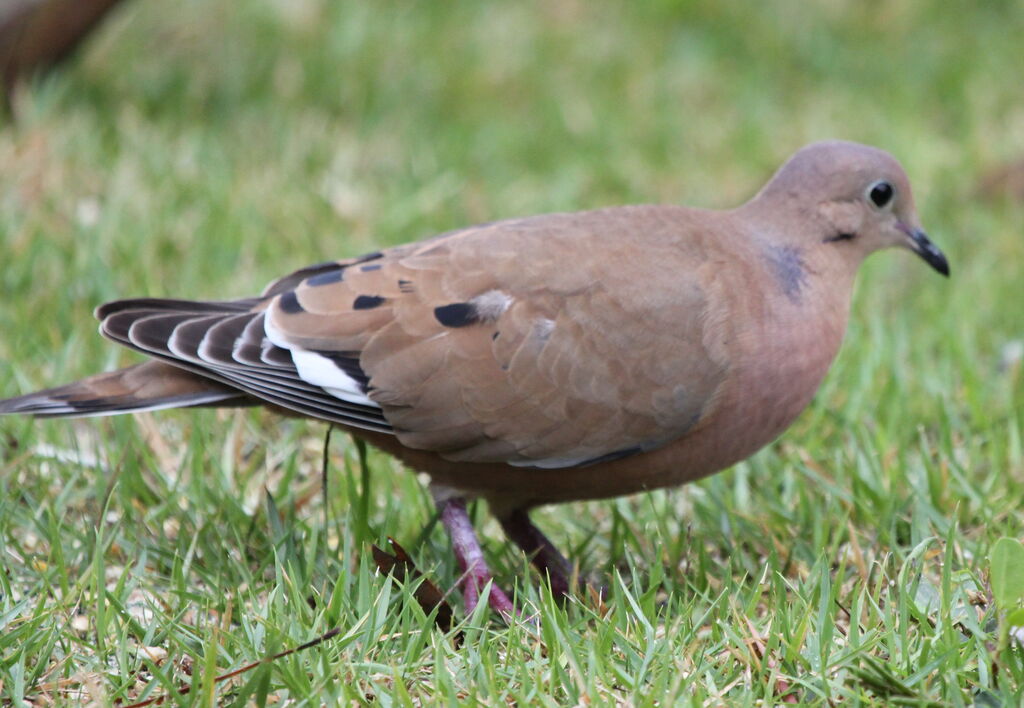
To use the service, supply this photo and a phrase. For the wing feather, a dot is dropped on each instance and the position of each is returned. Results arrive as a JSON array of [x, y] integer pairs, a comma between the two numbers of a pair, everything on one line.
[[483, 345]]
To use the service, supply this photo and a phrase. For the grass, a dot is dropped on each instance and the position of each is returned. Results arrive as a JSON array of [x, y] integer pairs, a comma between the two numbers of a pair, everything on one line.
[[205, 149]]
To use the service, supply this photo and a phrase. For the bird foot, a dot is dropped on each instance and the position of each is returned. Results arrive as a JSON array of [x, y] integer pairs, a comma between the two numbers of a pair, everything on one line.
[[473, 585], [547, 559], [562, 575], [470, 557]]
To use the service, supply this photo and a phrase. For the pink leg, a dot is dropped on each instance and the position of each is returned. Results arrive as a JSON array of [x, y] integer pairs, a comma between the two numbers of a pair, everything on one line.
[[545, 557], [471, 558]]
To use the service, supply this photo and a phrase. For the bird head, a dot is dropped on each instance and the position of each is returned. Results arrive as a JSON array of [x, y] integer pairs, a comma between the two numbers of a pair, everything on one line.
[[858, 201]]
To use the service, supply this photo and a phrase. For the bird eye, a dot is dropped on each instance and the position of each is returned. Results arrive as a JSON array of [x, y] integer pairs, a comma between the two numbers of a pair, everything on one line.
[[881, 193]]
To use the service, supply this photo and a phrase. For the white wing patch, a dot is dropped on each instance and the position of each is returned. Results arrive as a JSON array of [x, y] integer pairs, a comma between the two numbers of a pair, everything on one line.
[[319, 370]]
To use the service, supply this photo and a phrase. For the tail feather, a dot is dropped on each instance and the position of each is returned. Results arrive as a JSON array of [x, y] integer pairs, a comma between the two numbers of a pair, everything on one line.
[[152, 385]]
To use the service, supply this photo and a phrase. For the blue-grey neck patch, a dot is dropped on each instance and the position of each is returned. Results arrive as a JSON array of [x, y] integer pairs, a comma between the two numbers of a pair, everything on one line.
[[790, 271]]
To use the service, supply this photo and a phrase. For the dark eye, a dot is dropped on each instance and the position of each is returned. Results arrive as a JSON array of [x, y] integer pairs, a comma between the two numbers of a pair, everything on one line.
[[881, 194]]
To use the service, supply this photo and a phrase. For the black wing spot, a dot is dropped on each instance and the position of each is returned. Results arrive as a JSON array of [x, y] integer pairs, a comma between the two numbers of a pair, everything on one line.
[[405, 286], [289, 303], [372, 266], [368, 302], [331, 276], [457, 314], [369, 257]]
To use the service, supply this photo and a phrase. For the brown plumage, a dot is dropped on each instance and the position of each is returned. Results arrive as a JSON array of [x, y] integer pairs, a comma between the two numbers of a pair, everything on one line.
[[544, 359]]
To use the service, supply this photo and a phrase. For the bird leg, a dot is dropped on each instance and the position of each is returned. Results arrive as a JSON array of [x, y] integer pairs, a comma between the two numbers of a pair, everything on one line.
[[542, 553], [470, 557]]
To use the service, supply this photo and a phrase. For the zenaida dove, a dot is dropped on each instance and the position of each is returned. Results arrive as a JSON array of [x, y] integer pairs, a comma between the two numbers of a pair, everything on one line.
[[546, 359]]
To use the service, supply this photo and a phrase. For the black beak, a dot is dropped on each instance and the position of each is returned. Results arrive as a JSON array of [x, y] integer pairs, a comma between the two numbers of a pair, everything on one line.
[[922, 246]]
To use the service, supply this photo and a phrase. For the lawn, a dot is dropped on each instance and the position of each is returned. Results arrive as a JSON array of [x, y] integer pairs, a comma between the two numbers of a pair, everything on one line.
[[200, 149]]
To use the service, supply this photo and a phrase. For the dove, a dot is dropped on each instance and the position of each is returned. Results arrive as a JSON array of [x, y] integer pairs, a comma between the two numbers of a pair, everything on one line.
[[545, 359]]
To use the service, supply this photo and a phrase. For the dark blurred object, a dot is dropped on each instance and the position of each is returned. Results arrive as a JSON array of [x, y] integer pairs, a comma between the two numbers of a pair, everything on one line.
[[428, 595], [37, 34], [1004, 182]]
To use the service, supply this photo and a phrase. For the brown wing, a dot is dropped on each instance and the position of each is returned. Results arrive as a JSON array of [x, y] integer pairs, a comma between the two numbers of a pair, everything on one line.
[[551, 341]]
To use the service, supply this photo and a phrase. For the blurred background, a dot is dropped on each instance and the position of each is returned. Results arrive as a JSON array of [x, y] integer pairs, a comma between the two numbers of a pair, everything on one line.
[[202, 148]]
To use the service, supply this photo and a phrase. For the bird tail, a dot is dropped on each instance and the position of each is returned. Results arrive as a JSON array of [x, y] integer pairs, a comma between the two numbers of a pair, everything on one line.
[[149, 386]]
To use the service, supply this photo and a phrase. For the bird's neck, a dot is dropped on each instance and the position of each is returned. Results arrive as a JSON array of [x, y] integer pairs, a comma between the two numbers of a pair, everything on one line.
[[793, 320], [790, 240]]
